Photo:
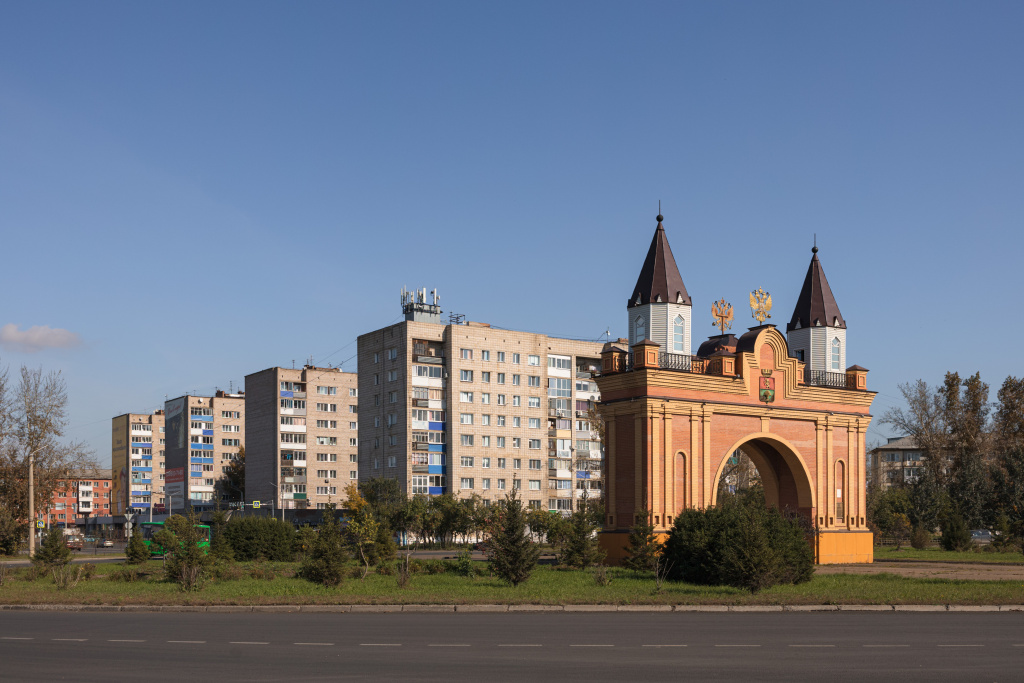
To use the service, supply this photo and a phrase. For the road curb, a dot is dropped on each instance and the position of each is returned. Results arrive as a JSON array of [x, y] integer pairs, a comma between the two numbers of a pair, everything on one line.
[[491, 608]]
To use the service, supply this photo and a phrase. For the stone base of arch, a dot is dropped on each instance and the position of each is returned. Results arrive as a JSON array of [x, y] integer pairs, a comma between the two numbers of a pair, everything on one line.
[[830, 547]]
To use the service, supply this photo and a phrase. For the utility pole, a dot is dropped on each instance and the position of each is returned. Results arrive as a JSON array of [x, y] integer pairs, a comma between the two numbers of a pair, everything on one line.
[[31, 505]]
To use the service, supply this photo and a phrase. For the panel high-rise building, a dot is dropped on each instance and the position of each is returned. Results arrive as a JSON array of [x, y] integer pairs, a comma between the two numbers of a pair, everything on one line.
[[472, 409], [302, 436], [137, 462]]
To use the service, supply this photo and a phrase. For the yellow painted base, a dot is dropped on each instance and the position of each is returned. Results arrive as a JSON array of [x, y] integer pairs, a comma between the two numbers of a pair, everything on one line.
[[844, 547], [831, 547]]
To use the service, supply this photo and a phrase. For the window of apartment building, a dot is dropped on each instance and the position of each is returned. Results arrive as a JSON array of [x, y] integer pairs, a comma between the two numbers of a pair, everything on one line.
[[391, 419], [392, 397], [560, 362], [327, 424], [353, 425], [327, 391], [485, 484], [376, 357], [499, 441], [327, 457], [534, 464], [466, 483], [501, 463], [427, 371], [466, 354], [516, 380], [352, 409], [466, 375], [486, 441], [517, 484], [353, 474], [466, 418], [353, 392], [501, 399], [231, 428], [391, 461], [466, 439], [292, 421], [327, 407], [517, 401], [517, 463], [501, 484], [517, 421], [376, 421], [517, 442], [534, 444], [230, 442], [353, 457], [485, 462], [197, 425], [501, 420], [326, 441], [485, 355], [376, 379], [392, 375], [533, 360], [485, 377], [290, 386], [535, 401], [299, 404], [321, 474], [391, 354], [559, 387], [419, 484], [515, 359], [205, 412], [534, 381], [559, 484], [501, 378], [485, 420], [535, 484], [501, 356], [229, 414], [465, 397], [466, 461], [534, 423]]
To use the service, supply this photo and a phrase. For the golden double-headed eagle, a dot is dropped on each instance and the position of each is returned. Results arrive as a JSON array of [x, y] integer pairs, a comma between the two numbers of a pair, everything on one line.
[[760, 304], [722, 312]]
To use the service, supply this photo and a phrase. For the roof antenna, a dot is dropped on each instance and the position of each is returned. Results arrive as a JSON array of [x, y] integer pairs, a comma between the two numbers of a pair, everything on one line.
[[814, 249], [660, 217]]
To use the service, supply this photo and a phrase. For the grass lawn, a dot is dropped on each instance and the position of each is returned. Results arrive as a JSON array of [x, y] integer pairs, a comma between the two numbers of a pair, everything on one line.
[[546, 586], [939, 555]]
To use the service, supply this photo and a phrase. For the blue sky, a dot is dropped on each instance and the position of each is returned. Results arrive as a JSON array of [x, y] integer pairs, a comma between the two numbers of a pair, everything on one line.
[[202, 190]]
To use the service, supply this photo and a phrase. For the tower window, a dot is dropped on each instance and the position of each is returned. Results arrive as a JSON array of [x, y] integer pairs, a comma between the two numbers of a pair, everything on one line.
[[640, 329], [835, 354], [678, 329], [800, 355]]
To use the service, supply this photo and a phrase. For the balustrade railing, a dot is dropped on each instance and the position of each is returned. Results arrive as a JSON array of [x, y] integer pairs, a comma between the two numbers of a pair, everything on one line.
[[823, 378]]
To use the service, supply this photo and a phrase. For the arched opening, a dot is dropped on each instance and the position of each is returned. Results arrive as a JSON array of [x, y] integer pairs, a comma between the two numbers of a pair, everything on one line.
[[679, 335], [774, 464], [682, 483], [840, 492]]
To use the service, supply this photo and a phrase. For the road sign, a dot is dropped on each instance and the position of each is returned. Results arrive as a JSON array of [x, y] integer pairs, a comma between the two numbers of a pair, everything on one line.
[[255, 505], [40, 524]]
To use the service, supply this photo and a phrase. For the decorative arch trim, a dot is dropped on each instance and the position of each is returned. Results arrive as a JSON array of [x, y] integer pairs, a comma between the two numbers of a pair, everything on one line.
[[788, 452]]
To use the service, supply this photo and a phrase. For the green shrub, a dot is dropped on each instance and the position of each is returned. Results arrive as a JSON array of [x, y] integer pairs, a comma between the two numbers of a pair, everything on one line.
[[955, 534], [227, 572], [185, 563], [1003, 539], [305, 539], [253, 538], [462, 564], [262, 572], [125, 573], [742, 543], [11, 533], [136, 551], [53, 552], [88, 570], [920, 538]]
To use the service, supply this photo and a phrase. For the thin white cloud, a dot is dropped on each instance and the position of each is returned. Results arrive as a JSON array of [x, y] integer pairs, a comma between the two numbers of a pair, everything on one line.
[[36, 338]]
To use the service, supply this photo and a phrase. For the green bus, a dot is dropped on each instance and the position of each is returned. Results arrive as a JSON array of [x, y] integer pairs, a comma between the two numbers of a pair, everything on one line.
[[149, 529]]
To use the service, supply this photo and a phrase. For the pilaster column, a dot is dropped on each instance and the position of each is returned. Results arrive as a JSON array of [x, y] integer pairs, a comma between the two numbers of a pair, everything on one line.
[[705, 456], [609, 473], [670, 467]]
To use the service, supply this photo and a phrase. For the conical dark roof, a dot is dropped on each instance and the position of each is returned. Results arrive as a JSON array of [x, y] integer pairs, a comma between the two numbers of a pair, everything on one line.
[[659, 279], [816, 305]]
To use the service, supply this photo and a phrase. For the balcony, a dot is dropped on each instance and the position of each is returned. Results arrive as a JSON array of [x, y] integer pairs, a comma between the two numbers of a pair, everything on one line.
[[430, 360], [420, 403], [559, 412], [822, 378]]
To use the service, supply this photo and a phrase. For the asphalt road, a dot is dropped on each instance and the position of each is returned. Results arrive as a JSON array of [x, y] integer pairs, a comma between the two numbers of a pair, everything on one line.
[[833, 646]]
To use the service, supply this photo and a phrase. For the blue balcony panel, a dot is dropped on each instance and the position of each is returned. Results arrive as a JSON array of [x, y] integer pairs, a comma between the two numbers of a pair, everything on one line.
[[435, 448], [582, 475], [435, 426], [435, 490], [201, 418], [207, 432], [140, 444], [142, 469], [435, 469], [287, 394]]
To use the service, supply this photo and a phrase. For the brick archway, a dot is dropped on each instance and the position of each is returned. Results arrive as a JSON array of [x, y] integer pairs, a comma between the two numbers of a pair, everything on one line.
[[785, 477]]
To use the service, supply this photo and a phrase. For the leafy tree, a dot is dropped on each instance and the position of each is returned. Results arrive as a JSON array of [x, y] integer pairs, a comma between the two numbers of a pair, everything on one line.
[[928, 501], [53, 551], [185, 563], [386, 499], [362, 532], [1003, 538], [1008, 485], [644, 547], [325, 563], [11, 533], [923, 419], [511, 553], [540, 522], [1009, 416], [136, 551], [955, 534], [920, 538]]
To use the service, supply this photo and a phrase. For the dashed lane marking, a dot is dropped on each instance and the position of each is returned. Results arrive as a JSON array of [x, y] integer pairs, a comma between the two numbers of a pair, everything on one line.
[[14, 638], [963, 645]]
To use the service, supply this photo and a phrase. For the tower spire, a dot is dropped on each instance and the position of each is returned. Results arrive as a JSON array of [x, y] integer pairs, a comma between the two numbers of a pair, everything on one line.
[[816, 306], [659, 280]]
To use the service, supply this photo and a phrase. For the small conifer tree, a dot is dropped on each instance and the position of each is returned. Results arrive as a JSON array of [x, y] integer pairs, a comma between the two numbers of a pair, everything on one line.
[[955, 534], [644, 547], [511, 553], [136, 551], [53, 552], [580, 547], [325, 562]]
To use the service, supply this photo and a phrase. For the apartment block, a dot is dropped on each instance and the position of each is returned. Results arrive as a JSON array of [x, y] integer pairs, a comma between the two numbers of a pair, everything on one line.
[[471, 409], [897, 462], [88, 493], [302, 443], [137, 462], [203, 434]]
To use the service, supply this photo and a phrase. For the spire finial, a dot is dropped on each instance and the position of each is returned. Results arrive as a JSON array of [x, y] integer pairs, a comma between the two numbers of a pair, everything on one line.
[[814, 249], [660, 217]]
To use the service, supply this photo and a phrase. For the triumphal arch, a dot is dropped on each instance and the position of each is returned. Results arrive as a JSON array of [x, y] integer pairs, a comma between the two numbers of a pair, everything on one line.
[[676, 420]]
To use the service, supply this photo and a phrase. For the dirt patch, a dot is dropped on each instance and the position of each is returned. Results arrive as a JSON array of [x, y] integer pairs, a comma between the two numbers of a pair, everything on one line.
[[931, 570]]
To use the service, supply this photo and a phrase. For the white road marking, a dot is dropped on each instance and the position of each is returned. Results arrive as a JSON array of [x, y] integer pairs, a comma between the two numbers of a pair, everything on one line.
[[380, 644], [195, 642], [662, 646], [111, 640], [314, 643], [246, 642], [15, 638]]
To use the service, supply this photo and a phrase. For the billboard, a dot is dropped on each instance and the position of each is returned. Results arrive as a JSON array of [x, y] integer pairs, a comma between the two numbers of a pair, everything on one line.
[[174, 483], [174, 419]]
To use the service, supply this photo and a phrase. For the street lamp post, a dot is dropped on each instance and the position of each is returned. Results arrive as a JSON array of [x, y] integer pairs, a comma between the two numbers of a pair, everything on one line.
[[274, 502], [32, 501]]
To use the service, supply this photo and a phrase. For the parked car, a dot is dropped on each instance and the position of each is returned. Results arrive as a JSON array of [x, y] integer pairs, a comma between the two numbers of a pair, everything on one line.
[[981, 536], [74, 542], [90, 539], [106, 543]]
